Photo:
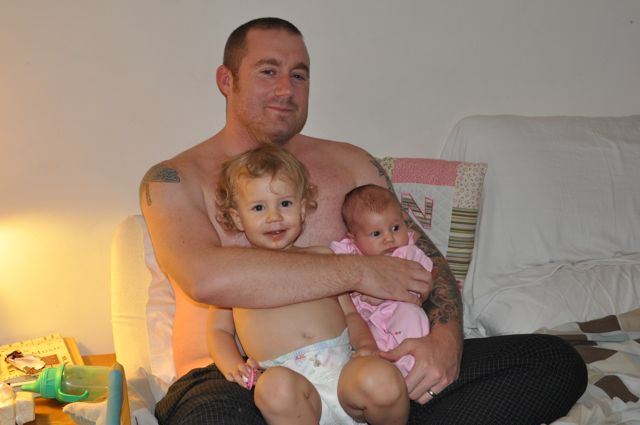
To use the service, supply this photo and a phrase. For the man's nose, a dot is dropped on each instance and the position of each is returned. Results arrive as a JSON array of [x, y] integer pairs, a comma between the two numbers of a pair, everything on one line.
[[283, 86]]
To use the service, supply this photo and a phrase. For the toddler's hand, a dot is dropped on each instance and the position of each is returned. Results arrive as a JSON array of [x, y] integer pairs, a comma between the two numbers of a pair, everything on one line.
[[254, 373], [244, 375]]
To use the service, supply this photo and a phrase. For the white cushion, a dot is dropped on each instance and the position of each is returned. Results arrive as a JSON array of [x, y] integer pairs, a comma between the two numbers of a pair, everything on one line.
[[130, 280], [142, 307], [558, 190]]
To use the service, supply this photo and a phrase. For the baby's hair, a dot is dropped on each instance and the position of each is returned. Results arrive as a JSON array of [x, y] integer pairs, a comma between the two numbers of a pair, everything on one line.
[[266, 160], [366, 198]]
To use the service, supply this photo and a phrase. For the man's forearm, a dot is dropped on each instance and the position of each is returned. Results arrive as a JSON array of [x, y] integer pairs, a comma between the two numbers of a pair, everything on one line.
[[444, 304], [256, 278]]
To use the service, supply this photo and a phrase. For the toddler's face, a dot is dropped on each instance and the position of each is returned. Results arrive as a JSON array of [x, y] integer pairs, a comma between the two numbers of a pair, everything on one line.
[[380, 233], [269, 211]]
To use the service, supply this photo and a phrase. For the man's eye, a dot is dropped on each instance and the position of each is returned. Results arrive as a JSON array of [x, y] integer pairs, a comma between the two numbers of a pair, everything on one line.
[[269, 71], [300, 77], [258, 208], [286, 203]]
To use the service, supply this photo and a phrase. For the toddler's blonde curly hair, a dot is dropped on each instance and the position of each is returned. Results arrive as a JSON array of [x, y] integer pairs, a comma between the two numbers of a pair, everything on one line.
[[266, 160]]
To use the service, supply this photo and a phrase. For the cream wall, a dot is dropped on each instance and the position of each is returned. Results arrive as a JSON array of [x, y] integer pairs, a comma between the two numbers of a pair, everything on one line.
[[93, 93]]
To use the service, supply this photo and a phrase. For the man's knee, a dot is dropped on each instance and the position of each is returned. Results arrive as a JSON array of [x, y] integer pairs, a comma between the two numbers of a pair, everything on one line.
[[204, 396], [565, 363]]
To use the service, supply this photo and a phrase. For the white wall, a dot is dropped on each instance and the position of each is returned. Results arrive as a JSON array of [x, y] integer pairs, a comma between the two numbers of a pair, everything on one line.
[[93, 93]]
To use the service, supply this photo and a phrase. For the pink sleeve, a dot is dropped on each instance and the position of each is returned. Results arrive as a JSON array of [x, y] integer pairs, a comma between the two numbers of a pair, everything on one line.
[[412, 252], [345, 246]]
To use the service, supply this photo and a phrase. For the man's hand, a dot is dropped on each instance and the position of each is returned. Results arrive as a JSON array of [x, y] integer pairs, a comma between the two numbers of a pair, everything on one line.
[[393, 278], [437, 362]]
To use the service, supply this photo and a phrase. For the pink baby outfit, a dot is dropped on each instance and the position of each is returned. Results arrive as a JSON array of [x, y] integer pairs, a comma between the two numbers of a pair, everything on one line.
[[392, 321]]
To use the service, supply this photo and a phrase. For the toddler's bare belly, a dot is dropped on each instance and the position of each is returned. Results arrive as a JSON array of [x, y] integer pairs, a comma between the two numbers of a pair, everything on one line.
[[268, 333]]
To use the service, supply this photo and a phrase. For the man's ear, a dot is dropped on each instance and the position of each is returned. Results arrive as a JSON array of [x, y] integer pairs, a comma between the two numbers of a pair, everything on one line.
[[236, 219], [224, 79]]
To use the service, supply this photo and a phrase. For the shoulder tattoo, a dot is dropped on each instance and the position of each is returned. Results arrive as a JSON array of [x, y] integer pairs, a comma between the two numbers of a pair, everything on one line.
[[158, 173], [381, 171]]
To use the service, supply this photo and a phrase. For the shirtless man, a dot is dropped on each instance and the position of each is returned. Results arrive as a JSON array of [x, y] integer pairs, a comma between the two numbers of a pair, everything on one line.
[[265, 79]]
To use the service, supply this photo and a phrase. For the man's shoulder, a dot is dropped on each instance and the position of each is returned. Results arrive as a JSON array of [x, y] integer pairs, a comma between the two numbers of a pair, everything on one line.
[[189, 161], [188, 173]]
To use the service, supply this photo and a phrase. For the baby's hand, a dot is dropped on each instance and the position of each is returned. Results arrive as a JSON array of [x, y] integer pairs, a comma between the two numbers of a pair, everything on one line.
[[371, 300]]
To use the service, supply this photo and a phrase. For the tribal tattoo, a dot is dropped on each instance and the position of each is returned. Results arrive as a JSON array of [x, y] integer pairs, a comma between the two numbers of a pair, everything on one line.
[[444, 303], [158, 173]]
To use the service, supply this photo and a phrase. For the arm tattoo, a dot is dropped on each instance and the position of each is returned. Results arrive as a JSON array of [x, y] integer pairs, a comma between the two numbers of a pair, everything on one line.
[[444, 303], [158, 173]]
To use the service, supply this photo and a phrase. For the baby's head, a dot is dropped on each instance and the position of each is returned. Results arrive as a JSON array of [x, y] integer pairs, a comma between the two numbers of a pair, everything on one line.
[[374, 220], [265, 193]]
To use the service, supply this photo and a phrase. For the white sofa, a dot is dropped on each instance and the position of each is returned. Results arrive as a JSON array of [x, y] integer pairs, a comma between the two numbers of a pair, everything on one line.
[[558, 242]]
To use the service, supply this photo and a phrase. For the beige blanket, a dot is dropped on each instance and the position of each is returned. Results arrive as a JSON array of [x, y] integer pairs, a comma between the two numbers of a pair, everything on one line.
[[610, 347]]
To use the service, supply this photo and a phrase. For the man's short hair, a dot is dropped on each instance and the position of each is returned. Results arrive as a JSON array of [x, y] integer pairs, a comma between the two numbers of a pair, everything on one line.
[[235, 49]]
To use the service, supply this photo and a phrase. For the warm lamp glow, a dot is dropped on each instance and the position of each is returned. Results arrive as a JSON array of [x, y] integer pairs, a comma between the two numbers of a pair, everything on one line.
[[30, 253], [15, 238], [54, 276]]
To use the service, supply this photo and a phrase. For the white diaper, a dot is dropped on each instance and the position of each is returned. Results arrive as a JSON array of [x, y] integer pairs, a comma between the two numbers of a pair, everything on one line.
[[321, 364]]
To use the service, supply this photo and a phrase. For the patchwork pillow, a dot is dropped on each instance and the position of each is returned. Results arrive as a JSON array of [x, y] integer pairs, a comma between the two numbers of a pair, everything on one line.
[[443, 198]]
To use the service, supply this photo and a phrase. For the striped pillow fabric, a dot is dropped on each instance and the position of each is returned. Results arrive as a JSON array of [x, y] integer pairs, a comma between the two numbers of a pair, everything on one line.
[[443, 198]]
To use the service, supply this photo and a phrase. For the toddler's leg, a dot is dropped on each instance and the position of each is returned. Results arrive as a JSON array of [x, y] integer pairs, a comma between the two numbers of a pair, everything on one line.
[[286, 397], [373, 389]]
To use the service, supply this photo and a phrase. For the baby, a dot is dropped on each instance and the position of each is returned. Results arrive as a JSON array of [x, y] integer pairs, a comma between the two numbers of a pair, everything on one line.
[[310, 374], [375, 226]]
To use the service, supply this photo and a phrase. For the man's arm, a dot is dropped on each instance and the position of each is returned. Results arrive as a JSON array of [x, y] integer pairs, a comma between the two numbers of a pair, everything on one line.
[[190, 253], [438, 359]]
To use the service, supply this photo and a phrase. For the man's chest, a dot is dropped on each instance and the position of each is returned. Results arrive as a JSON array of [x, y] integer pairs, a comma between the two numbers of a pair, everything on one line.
[[325, 223]]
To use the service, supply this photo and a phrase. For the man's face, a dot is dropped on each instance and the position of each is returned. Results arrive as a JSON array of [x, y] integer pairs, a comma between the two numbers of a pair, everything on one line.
[[270, 93], [269, 211], [380, 233]]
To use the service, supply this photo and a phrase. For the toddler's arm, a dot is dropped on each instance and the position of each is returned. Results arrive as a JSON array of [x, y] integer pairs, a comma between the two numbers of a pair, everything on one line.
[[359, 334], [223, 348]]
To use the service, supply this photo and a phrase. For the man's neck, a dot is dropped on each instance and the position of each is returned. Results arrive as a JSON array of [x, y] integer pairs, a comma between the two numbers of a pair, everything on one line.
[[233, 141]]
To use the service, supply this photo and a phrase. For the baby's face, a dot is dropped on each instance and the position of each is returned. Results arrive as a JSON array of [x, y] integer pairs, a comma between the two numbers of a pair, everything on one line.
[[269, 211], [380, 233]]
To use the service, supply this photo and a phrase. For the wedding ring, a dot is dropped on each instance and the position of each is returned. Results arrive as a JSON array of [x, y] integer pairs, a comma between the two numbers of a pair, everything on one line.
[[432, 393]]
